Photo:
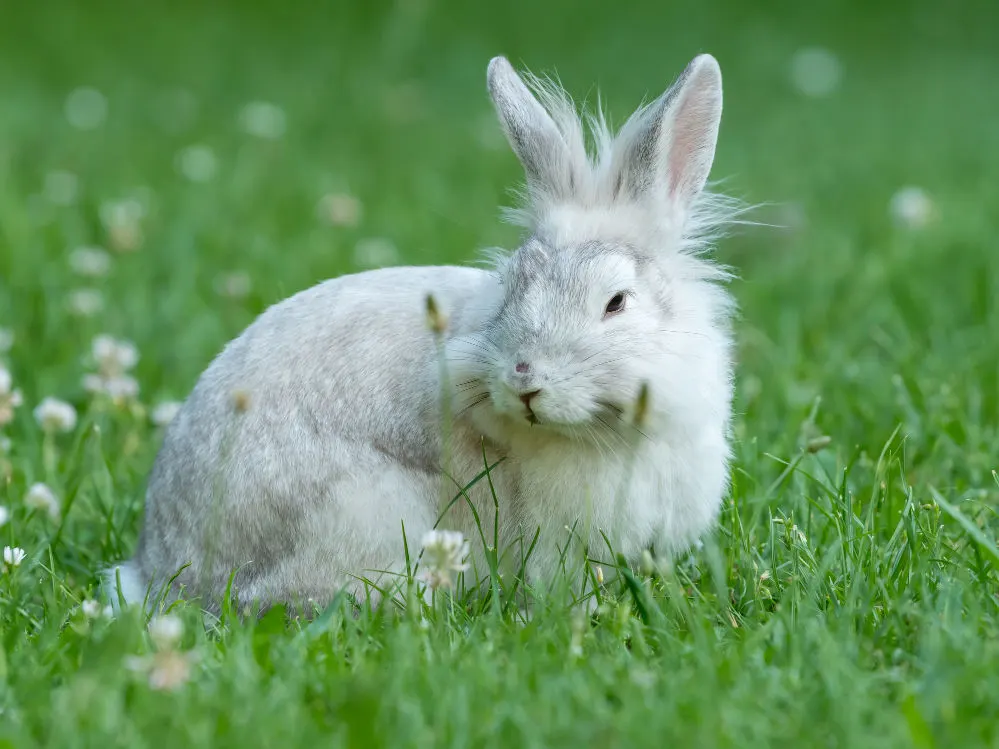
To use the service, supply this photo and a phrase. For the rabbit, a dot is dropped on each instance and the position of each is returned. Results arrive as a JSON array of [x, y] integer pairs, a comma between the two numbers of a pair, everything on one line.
[[591, 368]]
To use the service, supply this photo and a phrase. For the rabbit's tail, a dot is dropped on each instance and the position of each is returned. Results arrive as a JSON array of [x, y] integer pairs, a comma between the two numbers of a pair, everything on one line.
[[123, 585]]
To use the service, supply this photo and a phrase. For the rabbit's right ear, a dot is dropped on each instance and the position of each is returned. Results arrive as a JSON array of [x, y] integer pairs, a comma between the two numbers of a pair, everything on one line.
[[529, 128], [667, 148]]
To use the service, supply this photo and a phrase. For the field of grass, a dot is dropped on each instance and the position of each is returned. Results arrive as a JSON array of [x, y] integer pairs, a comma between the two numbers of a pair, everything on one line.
[[850, 596]]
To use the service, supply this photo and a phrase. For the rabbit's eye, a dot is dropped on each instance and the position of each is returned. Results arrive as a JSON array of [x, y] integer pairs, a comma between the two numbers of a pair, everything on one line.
[[616, 304]]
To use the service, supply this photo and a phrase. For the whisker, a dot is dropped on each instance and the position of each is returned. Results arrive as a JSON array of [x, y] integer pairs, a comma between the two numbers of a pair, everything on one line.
[[598, 353], [473, 404], [631, 425], [481, 346], [613, 428], [478, 359], [681, 332], [604, 437]]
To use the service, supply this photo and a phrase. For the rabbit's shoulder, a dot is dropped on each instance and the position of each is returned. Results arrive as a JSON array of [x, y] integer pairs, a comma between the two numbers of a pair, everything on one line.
[[384, 297]]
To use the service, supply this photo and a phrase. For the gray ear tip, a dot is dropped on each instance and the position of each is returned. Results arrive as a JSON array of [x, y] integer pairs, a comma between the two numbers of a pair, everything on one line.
[[498, 66], [705, 65]]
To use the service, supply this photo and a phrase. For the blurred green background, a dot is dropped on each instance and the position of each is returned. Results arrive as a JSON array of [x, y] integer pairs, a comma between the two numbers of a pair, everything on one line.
[[386, 102], [229, 154]]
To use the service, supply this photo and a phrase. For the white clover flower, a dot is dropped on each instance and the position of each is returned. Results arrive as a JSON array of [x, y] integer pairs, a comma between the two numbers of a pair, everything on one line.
[[122, 220], [122, 388], [197, 163], [6, 340], [375, 252], [118, 388], [94, 610], [10, 398], [13, 556], [815, 71], [6, 381], [86, 108], [92, 262], [263, 120], [444, 552], [113, 356], [125, 237], [165, 412], [41, 497], [126, 211], [54, 415], [4, 516], [911, 207], [85, 302], [170, 670], [61, 187], [165, 670], [166, 631], [235, 285], [340, 209]]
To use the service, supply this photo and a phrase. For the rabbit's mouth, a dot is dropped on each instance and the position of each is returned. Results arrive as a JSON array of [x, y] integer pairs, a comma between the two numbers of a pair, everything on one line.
[[603, 416], [564, 410], [532, 418]]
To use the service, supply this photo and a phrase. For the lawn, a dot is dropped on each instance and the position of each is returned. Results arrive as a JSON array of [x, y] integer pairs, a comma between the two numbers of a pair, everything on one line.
[[227, 155]]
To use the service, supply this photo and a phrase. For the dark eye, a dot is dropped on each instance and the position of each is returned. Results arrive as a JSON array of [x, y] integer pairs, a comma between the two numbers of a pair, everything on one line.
[[616, 304]]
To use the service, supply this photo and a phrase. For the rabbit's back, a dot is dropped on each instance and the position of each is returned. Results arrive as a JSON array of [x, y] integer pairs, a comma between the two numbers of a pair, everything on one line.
[[310, 427]]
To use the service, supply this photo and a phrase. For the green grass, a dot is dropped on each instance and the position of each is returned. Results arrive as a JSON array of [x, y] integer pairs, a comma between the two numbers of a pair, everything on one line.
[[849, 596]]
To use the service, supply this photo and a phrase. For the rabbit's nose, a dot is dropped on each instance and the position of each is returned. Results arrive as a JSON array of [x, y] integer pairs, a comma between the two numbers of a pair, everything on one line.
[[522, 367]]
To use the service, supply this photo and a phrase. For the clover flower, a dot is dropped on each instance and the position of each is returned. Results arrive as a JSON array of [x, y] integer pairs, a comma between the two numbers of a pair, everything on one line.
[[10, 397], [54, 415], [444, 553], [41, 497], [12, 557]]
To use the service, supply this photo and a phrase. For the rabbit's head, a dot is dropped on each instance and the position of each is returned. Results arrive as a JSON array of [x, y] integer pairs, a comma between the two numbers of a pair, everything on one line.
[[609, 296]]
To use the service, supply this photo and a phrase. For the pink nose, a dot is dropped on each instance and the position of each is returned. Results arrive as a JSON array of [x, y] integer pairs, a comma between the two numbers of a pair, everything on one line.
[[522, 367]]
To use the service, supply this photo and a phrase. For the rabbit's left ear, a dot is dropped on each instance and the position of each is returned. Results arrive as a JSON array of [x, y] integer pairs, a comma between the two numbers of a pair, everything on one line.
[[670, 145], [529, 128]]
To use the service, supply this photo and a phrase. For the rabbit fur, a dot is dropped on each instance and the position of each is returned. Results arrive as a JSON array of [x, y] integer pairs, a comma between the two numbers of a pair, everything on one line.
[[594, 363]]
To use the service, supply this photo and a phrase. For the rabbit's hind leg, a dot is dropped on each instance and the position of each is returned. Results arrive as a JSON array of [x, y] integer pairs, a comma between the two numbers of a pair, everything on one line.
[[355, 542]]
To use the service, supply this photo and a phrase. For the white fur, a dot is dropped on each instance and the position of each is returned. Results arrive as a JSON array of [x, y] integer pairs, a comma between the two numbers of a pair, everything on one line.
[[316, 436], [123, 585]]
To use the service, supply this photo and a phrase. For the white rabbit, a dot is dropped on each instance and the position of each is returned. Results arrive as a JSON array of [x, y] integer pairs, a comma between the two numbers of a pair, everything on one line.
[[595, 361]]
